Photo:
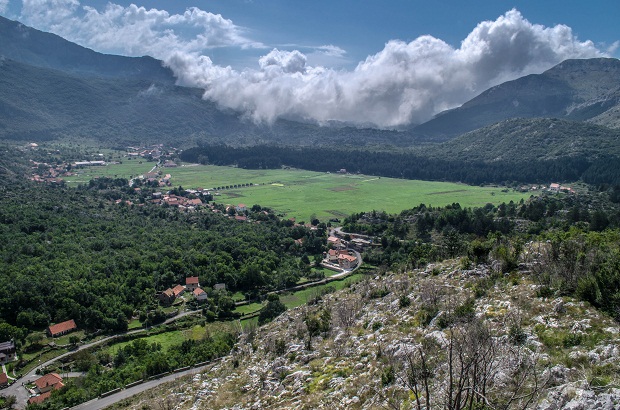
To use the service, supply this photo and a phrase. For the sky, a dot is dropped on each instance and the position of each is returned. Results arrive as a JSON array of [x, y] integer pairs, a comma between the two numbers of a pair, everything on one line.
[[382, 63]]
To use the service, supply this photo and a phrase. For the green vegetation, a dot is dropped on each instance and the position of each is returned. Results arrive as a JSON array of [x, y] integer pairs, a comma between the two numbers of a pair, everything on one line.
[[306, 194]]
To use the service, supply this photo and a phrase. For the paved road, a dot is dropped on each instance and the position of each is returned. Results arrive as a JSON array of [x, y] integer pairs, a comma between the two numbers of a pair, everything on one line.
[[102, 403], [19, 391]]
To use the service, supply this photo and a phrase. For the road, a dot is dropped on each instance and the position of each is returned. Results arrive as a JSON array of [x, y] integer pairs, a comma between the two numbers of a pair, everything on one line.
[[21, 394], [104, 402]]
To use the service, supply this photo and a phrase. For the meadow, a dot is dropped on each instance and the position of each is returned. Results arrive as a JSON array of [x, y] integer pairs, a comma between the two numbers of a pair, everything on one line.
[[128, 169], [303, 194]]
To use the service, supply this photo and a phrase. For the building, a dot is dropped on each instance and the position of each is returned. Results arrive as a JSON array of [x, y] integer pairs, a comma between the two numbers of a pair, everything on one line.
[[7, 352], [219, 286], [241, 208], [191, 283], [347, 261], [51, 381], [360, 244], [335, 242], [4, 380], [63, 328], [200, 294], [166, 297], [178, 290]]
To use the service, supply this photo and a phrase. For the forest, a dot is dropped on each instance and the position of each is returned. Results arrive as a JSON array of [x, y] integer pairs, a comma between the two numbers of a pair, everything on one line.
[[76, 254], [410, 164]]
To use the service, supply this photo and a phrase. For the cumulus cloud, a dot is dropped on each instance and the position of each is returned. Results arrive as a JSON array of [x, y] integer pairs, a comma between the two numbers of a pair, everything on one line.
[[402, 84], [4, 5], [134, 30]]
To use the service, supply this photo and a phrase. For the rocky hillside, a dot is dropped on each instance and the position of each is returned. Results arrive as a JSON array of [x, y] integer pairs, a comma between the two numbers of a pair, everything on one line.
[[450, 335]]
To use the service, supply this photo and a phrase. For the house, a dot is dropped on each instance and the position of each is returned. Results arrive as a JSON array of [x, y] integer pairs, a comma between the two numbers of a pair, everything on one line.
[[334, 241], [51, 381], [200, 294], [40, 398], [4, 380], [63, 328], [241, 208], [166, 297], [219, 286], [178, 290], [7, 352], [332, 256], [360, 244], [347, 261], [191, 283], [170, 164], [554, 187]]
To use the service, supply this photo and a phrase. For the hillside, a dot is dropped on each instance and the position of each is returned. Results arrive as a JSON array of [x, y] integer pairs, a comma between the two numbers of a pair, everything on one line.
[[33, 47], [575, 89], [383, 340], [537, 139]]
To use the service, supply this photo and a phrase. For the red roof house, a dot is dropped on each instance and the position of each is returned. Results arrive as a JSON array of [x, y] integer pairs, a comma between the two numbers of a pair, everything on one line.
[[4, 380], [60, 329], [191, 283], [200, 294], [51, 381], [178, 290], [40, 398]]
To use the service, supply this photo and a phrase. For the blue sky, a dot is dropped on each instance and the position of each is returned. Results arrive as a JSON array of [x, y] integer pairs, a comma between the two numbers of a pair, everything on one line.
[[381, 63]]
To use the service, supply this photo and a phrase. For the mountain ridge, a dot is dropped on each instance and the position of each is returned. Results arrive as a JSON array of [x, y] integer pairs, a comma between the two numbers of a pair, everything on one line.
[[574, 89]]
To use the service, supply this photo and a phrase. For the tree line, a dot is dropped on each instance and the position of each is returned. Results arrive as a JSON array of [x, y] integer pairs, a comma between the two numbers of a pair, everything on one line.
[[409, 165]]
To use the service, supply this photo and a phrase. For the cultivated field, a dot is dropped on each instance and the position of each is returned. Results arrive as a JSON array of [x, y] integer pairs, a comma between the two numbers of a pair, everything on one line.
[[300, 194]]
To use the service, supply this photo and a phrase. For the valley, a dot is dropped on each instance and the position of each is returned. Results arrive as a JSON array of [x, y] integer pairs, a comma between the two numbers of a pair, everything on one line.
[[163, 250]]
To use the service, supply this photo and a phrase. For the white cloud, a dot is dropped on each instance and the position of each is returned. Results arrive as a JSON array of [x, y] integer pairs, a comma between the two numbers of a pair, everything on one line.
[[134, 30], [402, 84], [4, 5]]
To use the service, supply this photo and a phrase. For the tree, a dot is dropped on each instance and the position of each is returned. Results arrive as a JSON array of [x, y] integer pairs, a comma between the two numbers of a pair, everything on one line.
[[271, 310]]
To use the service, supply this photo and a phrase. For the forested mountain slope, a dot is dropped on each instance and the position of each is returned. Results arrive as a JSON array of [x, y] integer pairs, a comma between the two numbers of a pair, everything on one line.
[[574, 89]]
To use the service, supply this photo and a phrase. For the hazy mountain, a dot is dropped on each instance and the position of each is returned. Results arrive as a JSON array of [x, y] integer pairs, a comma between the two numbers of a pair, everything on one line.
[[575, 89], [51, 87], [30, 46]]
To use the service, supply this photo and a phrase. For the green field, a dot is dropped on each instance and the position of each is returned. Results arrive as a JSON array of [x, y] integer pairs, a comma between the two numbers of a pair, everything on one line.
[[128, 169], [301, 194]]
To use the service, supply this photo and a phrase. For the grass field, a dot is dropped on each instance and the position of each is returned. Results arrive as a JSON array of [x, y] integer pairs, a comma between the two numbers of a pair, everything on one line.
[[128, 169], [302, 194]]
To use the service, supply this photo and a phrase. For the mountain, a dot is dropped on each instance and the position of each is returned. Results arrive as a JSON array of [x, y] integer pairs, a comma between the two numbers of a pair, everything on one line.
[[37, 48], [50, 88], [583, 90], [533, 139]]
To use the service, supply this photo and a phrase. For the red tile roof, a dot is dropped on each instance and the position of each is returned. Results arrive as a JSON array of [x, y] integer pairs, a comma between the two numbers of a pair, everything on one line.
[[3, 379], [198, 292], [178, 289], [40, 398], [192, 280], [62, 327], [50, 379]]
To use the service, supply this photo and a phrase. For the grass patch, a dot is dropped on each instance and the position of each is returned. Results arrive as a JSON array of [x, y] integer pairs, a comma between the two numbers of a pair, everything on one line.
[[248, 309], [166, 340], [302, 297], [300, 194]]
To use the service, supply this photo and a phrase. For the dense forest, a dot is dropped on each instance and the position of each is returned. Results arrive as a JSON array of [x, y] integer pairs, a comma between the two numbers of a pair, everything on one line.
[[75, 254], [410, 165]]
